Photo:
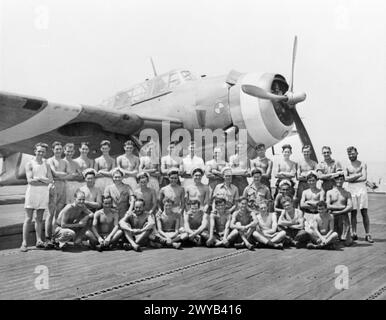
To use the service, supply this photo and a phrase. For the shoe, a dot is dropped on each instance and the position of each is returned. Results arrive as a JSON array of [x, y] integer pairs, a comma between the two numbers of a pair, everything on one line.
[[40, 245], [311, 246], [126, 246], [177, 245], [23, 248], [369, 239], [99, 248], [250, 247], [239, 245], [49, 244], [279, 246], [137, 249], [354, 237], [63, 245]]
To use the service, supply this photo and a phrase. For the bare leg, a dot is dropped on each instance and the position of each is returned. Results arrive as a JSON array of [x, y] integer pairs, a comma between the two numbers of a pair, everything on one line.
[[332, 238], [354, 222], [116, 236], [39, 225], [259, 237], [366, 220], [243, 236], [279, 237], [26, 225], [232, 236], [91, 238], [143, 237], [130, 238]]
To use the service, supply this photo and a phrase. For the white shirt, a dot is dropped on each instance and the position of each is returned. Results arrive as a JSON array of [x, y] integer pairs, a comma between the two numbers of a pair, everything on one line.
[[190, 163]]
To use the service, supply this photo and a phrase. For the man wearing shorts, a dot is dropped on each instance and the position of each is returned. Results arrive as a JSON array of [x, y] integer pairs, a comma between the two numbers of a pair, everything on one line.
[[356, 176], [39, 179]]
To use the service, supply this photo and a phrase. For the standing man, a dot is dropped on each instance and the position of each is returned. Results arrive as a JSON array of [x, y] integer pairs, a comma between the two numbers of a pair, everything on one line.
[[305, 166], [265, 165], [129, 165], [39, 178], [190, 162], [152, 169], [328, 169], [171, 160], [57, 194], [339, 202], [286, 169], [213, 169], [356, 176], [104, 165], [74, 177], [239, 166]]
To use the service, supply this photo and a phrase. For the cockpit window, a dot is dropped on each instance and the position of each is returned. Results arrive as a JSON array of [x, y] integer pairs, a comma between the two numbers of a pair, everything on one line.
[[174, 80], [160, 84], [187, 75], [122, 99]]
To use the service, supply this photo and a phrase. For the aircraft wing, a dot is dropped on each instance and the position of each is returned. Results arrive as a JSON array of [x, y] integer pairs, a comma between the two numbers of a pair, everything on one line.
[[27, 120]]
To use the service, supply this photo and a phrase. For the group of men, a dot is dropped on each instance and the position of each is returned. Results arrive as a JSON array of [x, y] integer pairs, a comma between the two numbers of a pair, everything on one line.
[[131, 202]]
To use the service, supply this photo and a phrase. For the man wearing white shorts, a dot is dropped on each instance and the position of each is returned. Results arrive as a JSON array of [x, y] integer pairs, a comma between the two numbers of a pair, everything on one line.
[[39, 179], [356, 176]]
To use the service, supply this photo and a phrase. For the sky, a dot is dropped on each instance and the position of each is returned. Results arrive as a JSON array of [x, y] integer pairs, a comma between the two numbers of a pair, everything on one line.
[[86, 50]]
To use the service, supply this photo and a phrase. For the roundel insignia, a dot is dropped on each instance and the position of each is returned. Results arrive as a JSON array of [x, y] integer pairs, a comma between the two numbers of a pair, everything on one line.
[[218, 108]]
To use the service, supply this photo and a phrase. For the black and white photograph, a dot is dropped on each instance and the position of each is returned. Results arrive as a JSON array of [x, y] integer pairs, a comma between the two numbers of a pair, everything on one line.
[[194, 150]]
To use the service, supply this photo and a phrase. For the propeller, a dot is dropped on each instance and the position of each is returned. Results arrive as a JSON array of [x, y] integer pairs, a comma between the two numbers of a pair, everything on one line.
[[290, 98]]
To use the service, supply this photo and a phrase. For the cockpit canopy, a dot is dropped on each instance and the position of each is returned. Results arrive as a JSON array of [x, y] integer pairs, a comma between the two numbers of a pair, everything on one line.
[[158, 86]]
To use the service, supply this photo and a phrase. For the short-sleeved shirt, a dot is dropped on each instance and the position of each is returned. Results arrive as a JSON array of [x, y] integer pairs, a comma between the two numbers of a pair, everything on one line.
[[257, 193], [121, 198], [231, 193]]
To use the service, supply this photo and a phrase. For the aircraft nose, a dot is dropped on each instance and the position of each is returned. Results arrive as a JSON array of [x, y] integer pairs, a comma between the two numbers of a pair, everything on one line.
[[15, 109]]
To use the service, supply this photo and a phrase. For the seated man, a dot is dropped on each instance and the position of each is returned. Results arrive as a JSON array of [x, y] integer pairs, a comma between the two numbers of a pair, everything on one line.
[[309, 200], [105, 227], [266, 231], [227, 190], [257, 190], [93, 194], [284, 191], [340, 204], [168, 226], [137, 225], [219, 225], [196, 223], [322, 233], [72, 222], [243, 223], [174, 192], [292, 222]]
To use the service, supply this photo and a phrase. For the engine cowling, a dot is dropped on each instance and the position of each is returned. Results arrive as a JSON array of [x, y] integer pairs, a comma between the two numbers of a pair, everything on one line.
[[266, 121]]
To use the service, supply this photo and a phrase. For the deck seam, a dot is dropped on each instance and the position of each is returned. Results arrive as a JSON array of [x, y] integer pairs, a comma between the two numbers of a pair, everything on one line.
[[158, 275]]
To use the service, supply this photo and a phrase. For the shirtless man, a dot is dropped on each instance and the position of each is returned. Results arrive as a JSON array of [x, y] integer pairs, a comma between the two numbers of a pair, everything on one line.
[[322, 233], [190, 162], [309, 200], [137, 226], [257, 190], [328, 169], [74, 178], [243, 224], [227, 190], [122, 195], [356, 176], [171, 160], [284, 191], [129, 165], [73, 222], [265, 164], [196, 224], [105, 227], [339, 202], [93, 195], [219, 225], [213, 169], [146, 165], [83, 160], [286, 169], [266, 231], [174, 192], [198, 190], [305, 166], [239, 165], [291, 221], [146, 193], [168, 226], [57, 194], [104, 166], [39, 180]]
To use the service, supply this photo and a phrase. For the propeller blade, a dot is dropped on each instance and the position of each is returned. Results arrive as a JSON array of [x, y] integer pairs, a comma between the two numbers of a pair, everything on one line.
[[303, 134], [261, 93], [291, 88]]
